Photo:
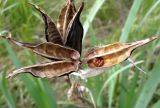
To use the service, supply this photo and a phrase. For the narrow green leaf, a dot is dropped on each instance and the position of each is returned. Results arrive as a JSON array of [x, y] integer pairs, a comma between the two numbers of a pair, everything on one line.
[[123, 88], [3, 87], [149, 87], [93, 38], [111, 89], [111, 78], [34, 89], [149, 12], [48, 93], [130, 20], [131, 97], [92, 13], [156, 105], [7, 8]]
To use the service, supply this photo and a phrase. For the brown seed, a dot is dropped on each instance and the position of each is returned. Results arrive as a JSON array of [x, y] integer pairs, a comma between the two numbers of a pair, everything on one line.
[[96, 62]]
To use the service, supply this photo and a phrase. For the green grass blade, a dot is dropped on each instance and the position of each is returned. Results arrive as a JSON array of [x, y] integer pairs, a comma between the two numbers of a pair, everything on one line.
[[131, 97], [156, 105], [130, 20], [111, 90], [149, 12], [92, 13], [27, 81], [111, 78], [8, 8], [12, 55], [7, 95], [92, 37], [48, 93], [35, 90], [149, 87], [123, 88]]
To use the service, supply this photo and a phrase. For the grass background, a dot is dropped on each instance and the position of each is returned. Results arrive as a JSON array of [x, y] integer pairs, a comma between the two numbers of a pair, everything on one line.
[[105, 21]]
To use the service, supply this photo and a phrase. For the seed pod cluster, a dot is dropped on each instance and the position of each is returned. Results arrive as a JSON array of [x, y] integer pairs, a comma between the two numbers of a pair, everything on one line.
[[63, 47]]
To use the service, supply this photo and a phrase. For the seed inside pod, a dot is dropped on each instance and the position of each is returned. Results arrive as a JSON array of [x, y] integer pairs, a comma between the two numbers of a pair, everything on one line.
[[96, 62]]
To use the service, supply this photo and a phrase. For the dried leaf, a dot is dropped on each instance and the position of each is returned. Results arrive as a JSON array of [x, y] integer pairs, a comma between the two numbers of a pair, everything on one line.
[[109, 55], [66, 15], [49, 70], [51, 32], [74, 33], [49, 50]]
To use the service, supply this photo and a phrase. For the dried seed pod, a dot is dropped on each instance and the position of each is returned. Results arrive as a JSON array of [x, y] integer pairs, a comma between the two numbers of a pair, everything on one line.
[[48, 70], [49, 50], [112, 54], [74, 33], [51, 32], [66, 15]]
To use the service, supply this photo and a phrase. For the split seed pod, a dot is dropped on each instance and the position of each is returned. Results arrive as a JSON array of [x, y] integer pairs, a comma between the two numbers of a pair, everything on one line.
[[112, 54], [49, 70], [49, 50], [74, 33], [51, 32], [66, 15]]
